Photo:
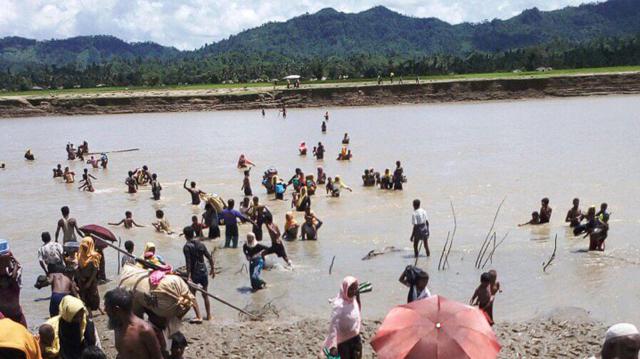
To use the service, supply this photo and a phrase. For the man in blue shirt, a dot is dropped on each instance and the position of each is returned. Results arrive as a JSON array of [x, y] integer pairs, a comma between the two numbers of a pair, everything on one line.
[[230, 217]]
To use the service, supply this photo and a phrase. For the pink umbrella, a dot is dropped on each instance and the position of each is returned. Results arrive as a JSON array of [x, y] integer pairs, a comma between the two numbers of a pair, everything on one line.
[[435, 328]]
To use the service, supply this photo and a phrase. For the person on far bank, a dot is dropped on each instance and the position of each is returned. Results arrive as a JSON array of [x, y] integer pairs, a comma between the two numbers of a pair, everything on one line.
[[420, 230]]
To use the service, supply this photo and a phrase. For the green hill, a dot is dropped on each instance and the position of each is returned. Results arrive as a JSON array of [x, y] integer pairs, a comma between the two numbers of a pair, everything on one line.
[[333, 44]]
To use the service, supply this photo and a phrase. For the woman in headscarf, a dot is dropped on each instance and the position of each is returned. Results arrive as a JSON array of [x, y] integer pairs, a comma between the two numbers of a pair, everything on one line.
[[290, 227], [344, 330], [16, 341], [303, 201], [73, 330], [254, 252], [149, 254], [88, 265], [244, 162]]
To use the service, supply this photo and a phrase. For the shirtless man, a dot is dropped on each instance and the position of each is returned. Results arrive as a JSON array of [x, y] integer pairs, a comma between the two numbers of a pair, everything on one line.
[[57, 172], [134, 337], [61, 286], [574, 215], [545, 211], [68, 175], [68, 226], [87, 184], [132, 184], [195, 193]]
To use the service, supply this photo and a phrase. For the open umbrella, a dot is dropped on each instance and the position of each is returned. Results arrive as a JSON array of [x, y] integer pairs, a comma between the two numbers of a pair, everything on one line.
[[435, 328], [291, 77], [99, 234]]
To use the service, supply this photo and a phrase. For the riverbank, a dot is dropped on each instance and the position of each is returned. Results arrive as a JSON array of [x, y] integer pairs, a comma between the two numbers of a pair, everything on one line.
[[566, 333], [320, 95]]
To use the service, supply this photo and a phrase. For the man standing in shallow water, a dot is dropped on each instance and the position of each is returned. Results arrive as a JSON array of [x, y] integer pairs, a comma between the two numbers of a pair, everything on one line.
[[134, 338], [68, 226], [420, 232], [545, 211]]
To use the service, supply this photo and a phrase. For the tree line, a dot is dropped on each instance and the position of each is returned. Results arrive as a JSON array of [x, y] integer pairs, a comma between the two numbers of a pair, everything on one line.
[[264, 66]]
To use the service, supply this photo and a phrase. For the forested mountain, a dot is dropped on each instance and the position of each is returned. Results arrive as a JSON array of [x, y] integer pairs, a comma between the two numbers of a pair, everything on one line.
[[382, 31], [331, 43]]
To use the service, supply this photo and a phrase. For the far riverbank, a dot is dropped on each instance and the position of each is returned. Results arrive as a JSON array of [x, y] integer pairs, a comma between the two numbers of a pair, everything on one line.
[[319, 95]]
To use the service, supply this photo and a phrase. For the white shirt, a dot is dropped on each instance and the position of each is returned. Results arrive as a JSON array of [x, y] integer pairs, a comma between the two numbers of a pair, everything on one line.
[[422, 295], [419, 217], [51, 253]]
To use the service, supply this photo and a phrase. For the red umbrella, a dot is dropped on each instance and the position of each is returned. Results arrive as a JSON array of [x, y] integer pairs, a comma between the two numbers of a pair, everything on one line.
[[100, 232], [435, 328]]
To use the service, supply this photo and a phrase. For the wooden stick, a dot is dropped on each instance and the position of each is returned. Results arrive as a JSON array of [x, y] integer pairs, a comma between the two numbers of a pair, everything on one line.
[[553, 255], [493, 236], [489, 233], [455, 227], [419, 248], [116, 151], [191, 284], [331, 266], [197, 288], [490, 256], [119, 243], [444, 248]]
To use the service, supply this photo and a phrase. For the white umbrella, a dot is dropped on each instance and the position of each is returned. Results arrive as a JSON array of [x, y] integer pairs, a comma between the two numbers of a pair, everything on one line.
[[291, 77]]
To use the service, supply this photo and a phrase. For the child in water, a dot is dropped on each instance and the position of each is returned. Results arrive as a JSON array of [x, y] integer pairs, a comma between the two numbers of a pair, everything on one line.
[[483, 298], [197, 226], [535, 219], [162, 225], [127, 220]]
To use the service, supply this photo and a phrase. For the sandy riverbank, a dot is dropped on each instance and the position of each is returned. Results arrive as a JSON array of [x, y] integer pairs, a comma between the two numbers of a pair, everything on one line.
[[320, 95], [566, 333]]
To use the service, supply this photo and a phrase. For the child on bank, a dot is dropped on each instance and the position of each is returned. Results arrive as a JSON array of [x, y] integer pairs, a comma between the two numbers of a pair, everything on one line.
[[483, 298]]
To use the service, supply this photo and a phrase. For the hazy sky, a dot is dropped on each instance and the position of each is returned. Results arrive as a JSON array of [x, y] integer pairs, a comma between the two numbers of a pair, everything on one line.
[[189, 24]]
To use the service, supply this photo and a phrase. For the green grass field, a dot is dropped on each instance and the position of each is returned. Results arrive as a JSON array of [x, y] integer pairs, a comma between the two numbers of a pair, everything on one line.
[[494, 75]]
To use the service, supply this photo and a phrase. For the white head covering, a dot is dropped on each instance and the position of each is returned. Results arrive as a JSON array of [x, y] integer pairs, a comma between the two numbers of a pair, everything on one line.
[[251, 240], [620, 330]]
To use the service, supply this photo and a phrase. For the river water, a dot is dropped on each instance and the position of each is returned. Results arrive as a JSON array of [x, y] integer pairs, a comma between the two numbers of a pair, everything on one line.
[[473, 154]]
